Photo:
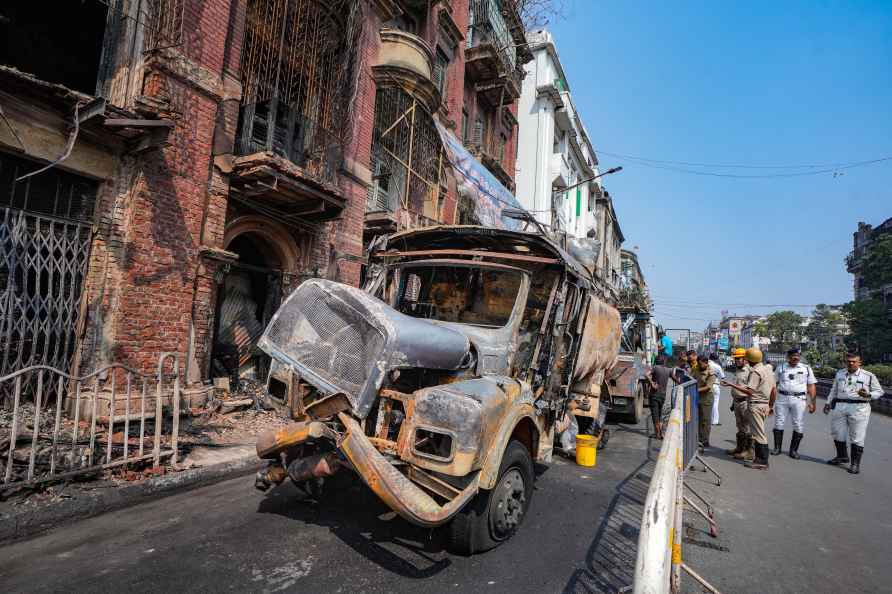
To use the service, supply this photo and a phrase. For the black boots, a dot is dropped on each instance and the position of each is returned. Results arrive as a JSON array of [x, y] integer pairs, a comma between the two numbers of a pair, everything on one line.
[[857, 450], [760, 462], [842, 456], [794, 445], [741, 445], [778, 441]]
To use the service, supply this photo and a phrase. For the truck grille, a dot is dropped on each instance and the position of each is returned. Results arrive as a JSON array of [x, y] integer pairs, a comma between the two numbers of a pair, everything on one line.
[[327, 336]]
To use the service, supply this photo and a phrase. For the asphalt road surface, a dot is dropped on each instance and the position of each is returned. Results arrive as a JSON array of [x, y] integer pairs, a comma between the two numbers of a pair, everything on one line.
[[579, 536], [802, 526]]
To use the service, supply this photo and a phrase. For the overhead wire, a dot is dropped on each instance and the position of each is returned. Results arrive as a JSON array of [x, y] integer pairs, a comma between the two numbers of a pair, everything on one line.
[[683, 166]]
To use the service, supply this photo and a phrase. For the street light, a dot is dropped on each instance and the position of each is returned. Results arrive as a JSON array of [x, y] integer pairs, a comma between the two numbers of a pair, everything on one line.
[[568, 188], [585, 181]]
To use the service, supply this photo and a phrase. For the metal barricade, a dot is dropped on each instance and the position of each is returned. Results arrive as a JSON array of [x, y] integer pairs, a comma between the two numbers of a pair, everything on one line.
[[659, 563], [62, 426]]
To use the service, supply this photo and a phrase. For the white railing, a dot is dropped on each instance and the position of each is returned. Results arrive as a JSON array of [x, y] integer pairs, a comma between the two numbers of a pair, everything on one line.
[[658, 564]]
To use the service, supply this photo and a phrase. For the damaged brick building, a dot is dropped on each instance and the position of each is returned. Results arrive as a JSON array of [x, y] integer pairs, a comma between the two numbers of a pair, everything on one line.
[[169, 169]]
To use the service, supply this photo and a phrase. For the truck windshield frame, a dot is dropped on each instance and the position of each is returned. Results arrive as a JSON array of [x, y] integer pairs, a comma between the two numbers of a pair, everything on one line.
[[435, 290]]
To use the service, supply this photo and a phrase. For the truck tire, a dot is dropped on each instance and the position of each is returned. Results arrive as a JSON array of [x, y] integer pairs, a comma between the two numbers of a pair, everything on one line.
[[638, 407], [493, 517]]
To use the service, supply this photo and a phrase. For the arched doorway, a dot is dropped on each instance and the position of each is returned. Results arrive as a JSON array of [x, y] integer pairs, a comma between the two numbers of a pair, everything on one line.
[[248, 294]]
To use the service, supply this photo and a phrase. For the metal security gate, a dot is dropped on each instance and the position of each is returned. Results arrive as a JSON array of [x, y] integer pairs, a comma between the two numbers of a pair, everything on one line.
[[42, 265], [45, 239]]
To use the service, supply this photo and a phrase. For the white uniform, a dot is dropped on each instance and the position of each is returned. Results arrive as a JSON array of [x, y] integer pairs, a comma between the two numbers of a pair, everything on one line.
[[792, 395], [716, 390], [848, 421]]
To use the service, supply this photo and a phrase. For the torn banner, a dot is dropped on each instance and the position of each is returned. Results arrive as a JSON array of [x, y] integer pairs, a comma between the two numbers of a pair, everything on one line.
[[475, 181]]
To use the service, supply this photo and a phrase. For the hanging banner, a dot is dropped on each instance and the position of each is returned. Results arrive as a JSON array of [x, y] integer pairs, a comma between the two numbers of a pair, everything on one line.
[[474, 180]]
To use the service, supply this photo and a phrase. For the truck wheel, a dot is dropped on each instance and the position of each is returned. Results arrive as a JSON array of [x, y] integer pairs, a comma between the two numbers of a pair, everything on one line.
[[492, 517], [638, 407]]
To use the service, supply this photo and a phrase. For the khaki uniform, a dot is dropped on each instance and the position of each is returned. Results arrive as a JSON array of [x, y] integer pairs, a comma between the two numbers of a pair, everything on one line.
[[741, 408], [761, 381], [706, 380]]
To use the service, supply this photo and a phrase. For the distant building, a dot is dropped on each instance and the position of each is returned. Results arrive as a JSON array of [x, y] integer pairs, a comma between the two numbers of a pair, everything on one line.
[[863, 238]]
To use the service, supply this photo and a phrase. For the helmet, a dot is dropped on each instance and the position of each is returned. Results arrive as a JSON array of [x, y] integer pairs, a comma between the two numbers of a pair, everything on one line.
[[739, 353], [754, 355]]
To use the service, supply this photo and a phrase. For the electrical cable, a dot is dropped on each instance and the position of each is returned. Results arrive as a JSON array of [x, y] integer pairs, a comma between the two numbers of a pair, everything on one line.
[[740, 166], [834, 170]]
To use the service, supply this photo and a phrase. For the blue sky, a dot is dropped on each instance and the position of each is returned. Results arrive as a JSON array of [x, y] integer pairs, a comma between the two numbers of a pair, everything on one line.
[[751, 83]]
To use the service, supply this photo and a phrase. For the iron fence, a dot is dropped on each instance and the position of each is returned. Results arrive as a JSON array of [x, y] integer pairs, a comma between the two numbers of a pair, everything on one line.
[[66, 426]]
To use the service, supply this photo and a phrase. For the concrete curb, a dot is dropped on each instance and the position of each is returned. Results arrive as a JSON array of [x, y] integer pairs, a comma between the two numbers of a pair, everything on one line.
[[32, 522]]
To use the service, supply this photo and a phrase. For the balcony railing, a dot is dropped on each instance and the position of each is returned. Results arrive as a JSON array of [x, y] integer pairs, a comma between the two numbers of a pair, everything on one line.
[[273, 127], [487, 25]]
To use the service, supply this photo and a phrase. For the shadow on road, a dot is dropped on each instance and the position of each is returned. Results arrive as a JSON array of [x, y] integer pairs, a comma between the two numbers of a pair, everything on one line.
[[359, 519], [610, 560]]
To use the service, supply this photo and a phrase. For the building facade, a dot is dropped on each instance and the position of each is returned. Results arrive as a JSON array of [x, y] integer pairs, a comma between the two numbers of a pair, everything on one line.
[[555, 152], [206, 157], [862, 240]]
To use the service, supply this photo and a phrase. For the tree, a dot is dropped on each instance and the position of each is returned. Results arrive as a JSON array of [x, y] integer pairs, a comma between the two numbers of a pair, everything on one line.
[[782, 327], [870, 331], [826, 326], [876, 266], [539, 13]]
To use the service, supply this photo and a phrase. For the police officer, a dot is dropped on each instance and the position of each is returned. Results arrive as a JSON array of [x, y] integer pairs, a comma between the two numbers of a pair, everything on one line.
[[706, 379], [795, 391], [760, 391], [849, 399], [744, 449]]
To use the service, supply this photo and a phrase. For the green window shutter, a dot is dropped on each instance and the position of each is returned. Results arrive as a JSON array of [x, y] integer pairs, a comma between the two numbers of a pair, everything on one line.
[[578, 202]]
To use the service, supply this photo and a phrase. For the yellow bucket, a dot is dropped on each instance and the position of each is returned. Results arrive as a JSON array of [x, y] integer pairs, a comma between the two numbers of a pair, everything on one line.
[[586, 450]]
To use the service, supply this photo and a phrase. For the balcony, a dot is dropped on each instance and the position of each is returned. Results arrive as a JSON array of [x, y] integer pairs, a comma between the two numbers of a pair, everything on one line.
[[491, 55], [488, 155], [503, 90], [406, 60], [560, 170], [853, 260], [287, 163]]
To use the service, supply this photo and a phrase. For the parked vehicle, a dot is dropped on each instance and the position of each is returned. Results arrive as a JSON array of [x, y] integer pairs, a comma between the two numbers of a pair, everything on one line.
[[441, 381]]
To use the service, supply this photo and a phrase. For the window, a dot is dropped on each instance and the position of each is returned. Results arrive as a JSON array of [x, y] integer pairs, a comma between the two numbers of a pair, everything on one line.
[[477, 296], [42, 39], [503, 142], [465, 125], [479, 131], [441, 69]]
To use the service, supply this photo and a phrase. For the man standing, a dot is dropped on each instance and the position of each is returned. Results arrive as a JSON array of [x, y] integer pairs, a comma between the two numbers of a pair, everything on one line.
[[717, 388], [760, 390], [795, 385], [849, 399], [692, 361], [705, 381], [659, 382], [665, 346], [744, 449]]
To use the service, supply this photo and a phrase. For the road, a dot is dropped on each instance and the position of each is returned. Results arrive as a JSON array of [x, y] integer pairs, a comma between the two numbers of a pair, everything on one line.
[[579, 536], [800, 527]]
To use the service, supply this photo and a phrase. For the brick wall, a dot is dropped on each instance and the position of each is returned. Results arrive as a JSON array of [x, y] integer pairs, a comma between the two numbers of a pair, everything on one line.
[[146, 281]]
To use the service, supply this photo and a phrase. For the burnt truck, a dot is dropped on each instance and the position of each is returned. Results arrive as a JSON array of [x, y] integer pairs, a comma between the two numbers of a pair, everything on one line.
[[443, 378]]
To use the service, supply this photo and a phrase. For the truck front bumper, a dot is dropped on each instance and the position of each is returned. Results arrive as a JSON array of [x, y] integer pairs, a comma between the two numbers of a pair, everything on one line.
[[393, 487]]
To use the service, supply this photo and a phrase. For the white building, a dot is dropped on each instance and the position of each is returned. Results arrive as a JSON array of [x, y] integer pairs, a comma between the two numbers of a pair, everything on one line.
[[554, 150]]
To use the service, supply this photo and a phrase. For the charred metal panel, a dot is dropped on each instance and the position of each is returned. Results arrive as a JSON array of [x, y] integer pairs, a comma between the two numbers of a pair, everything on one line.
[[342, 339], [471, 411]]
